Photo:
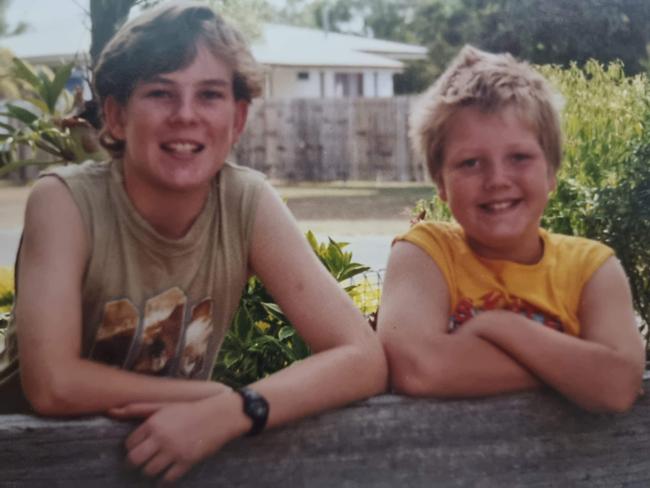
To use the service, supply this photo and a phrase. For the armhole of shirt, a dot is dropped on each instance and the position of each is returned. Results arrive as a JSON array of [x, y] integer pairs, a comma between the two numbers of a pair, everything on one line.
[[428, 242], [592, 261]]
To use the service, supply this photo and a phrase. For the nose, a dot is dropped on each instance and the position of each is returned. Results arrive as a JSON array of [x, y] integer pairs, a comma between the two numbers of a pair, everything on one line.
[[183, 111], [496, 175]]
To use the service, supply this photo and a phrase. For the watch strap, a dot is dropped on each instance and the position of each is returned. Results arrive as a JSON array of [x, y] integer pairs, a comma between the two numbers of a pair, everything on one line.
[[256, 408]]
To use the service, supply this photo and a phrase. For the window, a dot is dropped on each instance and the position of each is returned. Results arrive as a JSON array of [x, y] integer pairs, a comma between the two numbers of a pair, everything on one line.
[[349, 85], [303, 75]]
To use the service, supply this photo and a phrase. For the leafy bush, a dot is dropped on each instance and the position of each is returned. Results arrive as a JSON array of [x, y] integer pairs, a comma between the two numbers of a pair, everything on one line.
[[604, 185], [43, 122], [261, 340]]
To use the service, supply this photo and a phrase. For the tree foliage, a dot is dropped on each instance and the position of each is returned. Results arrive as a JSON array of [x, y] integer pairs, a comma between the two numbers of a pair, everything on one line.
[[5, 29], [540, 31]]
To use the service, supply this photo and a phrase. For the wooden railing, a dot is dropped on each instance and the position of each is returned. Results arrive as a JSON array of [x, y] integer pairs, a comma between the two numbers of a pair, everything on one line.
[[526, 439]]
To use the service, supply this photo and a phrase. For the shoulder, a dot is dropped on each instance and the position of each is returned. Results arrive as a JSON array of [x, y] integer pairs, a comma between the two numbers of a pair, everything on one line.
[[234, 174], [431, 235], [85, 170], [575, 256], [574, 249], [51, 215]]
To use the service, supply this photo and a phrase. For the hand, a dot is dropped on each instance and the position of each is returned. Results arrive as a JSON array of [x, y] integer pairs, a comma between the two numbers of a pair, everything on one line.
[[486, 319], [136, 410], [178, 435]]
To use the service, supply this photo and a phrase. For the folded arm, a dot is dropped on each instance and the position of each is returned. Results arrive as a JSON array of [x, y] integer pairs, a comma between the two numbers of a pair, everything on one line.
[[602, 369], [56, 380], [424, 359]]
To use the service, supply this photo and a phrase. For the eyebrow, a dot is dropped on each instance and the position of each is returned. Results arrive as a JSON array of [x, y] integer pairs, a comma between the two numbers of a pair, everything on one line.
[[219, 82]]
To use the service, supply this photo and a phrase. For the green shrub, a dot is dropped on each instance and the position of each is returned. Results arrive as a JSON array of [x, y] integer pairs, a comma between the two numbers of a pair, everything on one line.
[[604, 184], [44, 122], [261, 340]]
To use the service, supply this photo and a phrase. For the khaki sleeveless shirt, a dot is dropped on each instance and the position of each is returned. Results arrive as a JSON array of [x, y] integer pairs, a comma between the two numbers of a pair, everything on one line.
[[151, 304]]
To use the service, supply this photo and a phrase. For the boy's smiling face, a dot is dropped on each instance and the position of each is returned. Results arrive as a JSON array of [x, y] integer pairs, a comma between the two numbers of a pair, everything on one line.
[[179, 127], [496, 180]]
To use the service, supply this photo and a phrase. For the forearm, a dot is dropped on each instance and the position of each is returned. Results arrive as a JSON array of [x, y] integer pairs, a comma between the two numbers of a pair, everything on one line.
[[81, 386], [325, 380], [594, 376], [455, 365]]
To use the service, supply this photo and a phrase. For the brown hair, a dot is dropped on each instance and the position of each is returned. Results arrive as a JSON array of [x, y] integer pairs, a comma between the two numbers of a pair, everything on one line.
[[489, 82], [166, 39]]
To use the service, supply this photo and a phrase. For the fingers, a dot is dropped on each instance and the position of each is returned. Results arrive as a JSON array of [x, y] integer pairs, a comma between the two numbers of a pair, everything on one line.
[[175, 472], [142, 452], [135, 410], [158, 464], [137, 436]]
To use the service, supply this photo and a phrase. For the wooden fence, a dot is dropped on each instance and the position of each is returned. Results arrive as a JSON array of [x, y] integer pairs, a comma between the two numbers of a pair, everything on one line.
[[521, 440], [330, 139]]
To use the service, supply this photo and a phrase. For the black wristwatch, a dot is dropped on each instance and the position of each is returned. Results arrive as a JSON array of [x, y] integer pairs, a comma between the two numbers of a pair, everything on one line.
[[256, 408]]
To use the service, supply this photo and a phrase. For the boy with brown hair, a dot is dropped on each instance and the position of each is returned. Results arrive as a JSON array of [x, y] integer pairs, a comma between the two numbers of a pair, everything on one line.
[[131, 270], [493, 303]]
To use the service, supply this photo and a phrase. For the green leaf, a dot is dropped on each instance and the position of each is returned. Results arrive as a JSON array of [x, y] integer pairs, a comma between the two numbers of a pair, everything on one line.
[[8, 127], [57, 85], [23, 71], [231, 358], [21, 114], [14, 165], [286, 332], [38, 103], [311, 238]]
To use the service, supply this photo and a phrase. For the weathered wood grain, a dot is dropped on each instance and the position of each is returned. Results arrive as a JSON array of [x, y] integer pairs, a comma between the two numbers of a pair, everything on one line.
[[527, 439], [330, 139]]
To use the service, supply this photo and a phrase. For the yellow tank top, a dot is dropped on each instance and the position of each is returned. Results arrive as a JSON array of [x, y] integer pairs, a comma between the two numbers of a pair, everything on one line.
[[548, 291]]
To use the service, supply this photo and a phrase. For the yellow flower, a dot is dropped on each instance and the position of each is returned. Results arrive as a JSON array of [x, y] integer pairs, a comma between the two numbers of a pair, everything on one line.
[[6, 280], [366, 296], [262, 326]]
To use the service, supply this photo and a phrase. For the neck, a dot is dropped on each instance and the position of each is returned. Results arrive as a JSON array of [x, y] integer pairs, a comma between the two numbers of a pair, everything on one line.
[[170, 213], [522, 253]]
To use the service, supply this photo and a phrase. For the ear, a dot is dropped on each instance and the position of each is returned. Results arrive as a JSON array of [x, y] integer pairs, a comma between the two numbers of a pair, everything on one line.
[[114, 118], [440, 187], [552, 180], [241, 115]]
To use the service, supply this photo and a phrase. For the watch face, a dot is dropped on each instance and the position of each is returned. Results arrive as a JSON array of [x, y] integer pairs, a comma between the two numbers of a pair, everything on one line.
[[258, 409]]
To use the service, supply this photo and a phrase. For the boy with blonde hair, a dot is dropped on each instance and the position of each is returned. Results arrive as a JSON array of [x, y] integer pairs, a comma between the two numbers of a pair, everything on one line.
[[493, 303]]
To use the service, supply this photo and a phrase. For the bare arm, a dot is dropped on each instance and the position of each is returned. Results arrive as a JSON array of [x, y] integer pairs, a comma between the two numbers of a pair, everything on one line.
[[56, 380], [424, 359], [602, 369], [348, 362]]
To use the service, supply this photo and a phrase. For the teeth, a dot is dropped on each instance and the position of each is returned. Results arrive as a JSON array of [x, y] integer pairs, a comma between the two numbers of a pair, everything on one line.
[[497, 206], [182, 147]]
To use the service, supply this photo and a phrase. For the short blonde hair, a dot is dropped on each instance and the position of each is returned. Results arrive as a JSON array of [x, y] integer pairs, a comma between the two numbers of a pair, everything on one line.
[[166, 39], [489, 82]]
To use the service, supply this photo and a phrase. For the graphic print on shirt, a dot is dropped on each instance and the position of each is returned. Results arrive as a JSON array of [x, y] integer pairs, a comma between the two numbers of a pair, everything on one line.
[[153, 348], [197, 338], [115, 336], [163, 323], [494, 300]]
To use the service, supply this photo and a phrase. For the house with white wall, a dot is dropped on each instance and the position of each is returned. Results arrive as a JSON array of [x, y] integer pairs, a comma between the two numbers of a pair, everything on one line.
[[299, 62], [311, 63]]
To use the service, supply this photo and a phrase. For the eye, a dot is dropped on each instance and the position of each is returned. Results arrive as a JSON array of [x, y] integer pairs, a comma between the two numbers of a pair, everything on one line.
[[212, 94], [468, 163], [158, 93], [520, 157]]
